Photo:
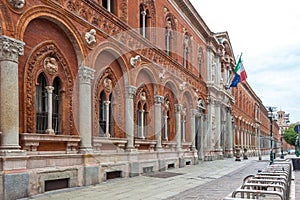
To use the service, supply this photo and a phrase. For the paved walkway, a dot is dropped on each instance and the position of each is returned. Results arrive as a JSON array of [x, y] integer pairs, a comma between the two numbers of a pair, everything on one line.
[[207, 180]]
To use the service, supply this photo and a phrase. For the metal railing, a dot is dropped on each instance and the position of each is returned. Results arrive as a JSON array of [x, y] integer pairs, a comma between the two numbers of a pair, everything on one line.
[[273, 181]]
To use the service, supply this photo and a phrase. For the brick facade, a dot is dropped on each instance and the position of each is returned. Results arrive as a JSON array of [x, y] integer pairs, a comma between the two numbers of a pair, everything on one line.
[[122, 87]]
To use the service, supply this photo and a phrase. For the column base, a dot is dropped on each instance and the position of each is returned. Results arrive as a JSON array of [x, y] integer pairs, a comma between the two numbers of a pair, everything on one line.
[[107, 135], [12, 152], [50, 131], [86, 150], [159, 149], [131, 149]]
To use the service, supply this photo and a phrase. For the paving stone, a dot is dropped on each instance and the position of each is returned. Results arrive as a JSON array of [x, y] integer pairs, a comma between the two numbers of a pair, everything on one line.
[[210, 180]]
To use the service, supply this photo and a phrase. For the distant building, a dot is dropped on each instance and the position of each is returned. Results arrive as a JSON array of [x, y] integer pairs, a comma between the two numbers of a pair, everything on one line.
[[283, 121]]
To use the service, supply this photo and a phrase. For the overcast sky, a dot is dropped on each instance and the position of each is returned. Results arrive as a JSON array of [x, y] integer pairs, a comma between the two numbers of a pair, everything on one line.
[[268, 34]]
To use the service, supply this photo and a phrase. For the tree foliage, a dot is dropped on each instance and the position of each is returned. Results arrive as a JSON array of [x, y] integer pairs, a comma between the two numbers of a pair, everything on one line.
[[290, 135]]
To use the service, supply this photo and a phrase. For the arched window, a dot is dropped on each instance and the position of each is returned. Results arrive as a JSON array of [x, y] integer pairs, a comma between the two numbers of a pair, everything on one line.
[[56, 106], [186, 49], [144, 21], [168, 37], [199, 60], [41, 104]]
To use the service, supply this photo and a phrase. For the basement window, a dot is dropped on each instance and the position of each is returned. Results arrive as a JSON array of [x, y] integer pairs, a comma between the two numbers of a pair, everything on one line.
[[56, 184]]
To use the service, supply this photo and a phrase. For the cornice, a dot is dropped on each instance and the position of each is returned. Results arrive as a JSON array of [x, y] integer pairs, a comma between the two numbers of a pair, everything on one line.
[[194, 17]]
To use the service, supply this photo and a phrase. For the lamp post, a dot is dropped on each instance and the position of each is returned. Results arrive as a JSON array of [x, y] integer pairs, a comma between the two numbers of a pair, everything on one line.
[[281, 133], [270, 115]]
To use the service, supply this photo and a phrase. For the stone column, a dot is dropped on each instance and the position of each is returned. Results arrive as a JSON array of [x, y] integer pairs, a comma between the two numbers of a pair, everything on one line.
[[144, 23], [193, 128], [166, 127], [157, 123], [208, 132], [10, 50], [107, 134], [85, 74], [203, 130], [183, 127], [218, 125], [108, 5], [258, 141], [129, 107], [178, 108], [142, 136], [229, 140], [50, 91]]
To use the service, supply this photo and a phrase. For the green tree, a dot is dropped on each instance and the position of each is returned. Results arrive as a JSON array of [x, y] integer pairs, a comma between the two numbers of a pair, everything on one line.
[[290, 135]]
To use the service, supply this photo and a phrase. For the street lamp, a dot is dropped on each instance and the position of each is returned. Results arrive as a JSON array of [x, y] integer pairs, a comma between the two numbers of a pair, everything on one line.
[[281, 133], [270, 116]]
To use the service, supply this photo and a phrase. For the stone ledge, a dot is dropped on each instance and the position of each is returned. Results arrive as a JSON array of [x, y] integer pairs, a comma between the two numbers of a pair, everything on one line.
[[30, 142]]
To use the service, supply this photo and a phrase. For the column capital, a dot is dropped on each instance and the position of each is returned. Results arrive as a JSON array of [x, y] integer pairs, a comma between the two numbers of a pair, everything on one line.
[[144, 13], [10, 48], [194, 112], [158, 99], [86, 74], [49, 89], [178, 107], [130, 91], [106, 103]]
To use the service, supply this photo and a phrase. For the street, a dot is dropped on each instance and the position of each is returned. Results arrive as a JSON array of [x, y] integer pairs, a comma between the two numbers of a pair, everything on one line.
[[210, 180]]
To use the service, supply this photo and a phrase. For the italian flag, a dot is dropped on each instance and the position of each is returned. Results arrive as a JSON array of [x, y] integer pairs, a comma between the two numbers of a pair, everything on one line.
[[240, 73]]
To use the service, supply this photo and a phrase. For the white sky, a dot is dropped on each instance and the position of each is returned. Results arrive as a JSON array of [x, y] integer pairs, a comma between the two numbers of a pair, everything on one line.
[[268, 34]]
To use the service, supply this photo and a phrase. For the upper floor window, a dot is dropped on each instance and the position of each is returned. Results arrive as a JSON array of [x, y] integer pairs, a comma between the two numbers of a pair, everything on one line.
[[144, 21], [168, 36], [186, 49], [199, 59], [109, 5]]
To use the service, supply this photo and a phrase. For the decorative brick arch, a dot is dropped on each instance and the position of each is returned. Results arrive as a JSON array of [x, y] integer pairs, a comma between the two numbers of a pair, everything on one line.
[[33, 67], [170, 94], [149, 104], [116, 93], [59, 19], [114, 69], [146, 82]]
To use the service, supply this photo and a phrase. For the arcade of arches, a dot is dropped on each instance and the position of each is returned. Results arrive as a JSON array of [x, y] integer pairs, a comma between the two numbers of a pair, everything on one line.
[[90, 88]]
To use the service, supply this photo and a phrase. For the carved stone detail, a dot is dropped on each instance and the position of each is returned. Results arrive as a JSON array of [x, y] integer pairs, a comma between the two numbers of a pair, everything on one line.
[[86, 74], [124, 10], [90, 37], [98, 17], [10, 49], [130, 91], [18, 4], [158, 99], [107, 85], [143, 97], [50, 65], [178, 108]]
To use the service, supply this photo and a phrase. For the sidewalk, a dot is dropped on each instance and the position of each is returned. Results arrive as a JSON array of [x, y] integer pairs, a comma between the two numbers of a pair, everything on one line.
[[203, 181]]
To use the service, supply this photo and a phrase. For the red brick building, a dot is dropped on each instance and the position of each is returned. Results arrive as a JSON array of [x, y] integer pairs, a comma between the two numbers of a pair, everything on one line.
[[92, 90]]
